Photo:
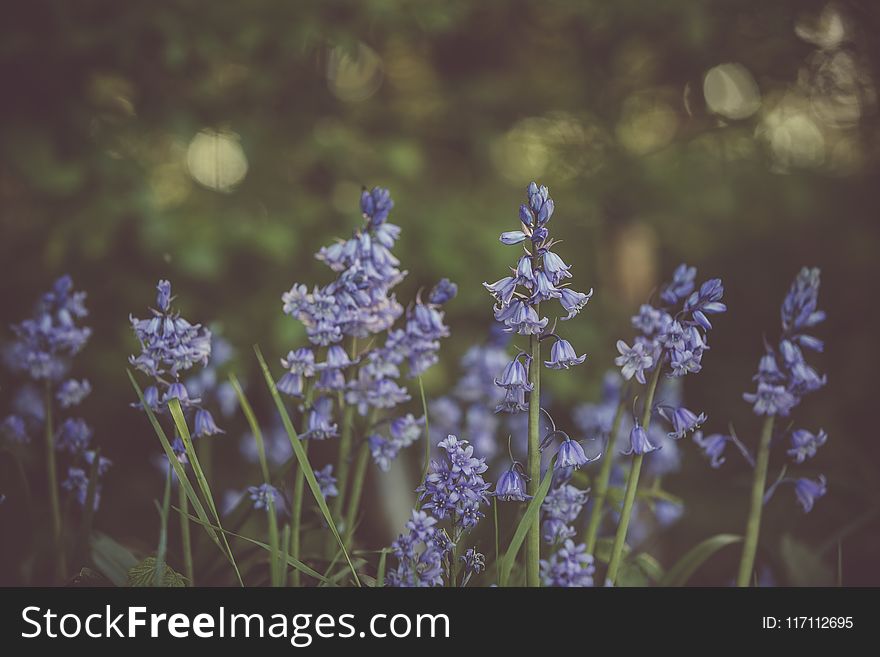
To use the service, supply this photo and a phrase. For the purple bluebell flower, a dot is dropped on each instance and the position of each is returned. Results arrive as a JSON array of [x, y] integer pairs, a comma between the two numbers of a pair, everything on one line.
[[519, 317], [375, 205], [319, 424], [804, 444], [713, 446], [74, 436], [77, 483], [443, 292], [809, 490], [560, 510], [556, 269], [563, 356], [421, 553], [474, 562], [264, 495], [205, 425], [649, 319], [512, 237], [569, 566], [514, 401], [511, 486], [683, 421], [573, 302], [639, 442], [14, 430], [633, 361], [454, 486], [571, 455], [681, 286], [72, 392], [326, 481], [771, 399], [502, 289], [515, 375]]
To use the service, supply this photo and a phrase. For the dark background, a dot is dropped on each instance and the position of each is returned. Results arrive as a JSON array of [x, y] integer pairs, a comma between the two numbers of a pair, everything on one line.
[[125, 129]]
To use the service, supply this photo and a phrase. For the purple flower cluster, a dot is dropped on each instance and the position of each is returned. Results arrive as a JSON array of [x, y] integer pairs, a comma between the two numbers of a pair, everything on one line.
[[784, 377], [673, 336], [539, 276], [569, 566], [422, 554], [402, 432], [454, 487], [264, 495], [560, 510]]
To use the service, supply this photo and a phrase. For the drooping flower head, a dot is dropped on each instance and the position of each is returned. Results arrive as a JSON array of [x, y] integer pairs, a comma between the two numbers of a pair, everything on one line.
[[454, 487]]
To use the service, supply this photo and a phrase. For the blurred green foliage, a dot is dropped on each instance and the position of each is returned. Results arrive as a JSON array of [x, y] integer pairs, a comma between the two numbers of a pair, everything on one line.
[[220, 144]]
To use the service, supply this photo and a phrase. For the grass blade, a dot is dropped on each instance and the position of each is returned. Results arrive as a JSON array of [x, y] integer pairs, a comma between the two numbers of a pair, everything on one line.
[[523, 527], [183, 430], [299, 565], [380, 572], [303, 460], [681, 572]]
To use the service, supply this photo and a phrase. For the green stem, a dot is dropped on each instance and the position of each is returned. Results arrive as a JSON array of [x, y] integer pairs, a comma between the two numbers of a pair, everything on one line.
[[753, 526], [360, 471], [51, 473], [296, 517], [533, 538], [600, 488], [162, 548], [274, 560], [344, 460], [427, 462], [185, 537], [632, 484]]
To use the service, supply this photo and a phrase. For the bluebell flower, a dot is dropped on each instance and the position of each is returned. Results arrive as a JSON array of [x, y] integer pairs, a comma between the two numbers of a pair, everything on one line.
[[204, 424], [512, 237], [569, 566], [474, 562], [544, 288], [72, 392], [515, 375], [326, 481], [14, 430], [263, 494], [454, 486], [77, 483], [560, 509], [169, 343], [681, 286], [383, 450], [514, 401], [563, 356], [639, 442], [45, 342], [633, 361], [179, 392], [525, 275], [376, 204], [103, 462], [683, 421], [290, 384], [443, 292], [421, 553], [555, 267], [804, 444], [319, 424], [713, 446], [667, 513], [800, 306], [502, 289], [521, 318], [771, 399], [573, 302], [809, 490], [649, 319], [74, 436], [511, 486], [571, 455]]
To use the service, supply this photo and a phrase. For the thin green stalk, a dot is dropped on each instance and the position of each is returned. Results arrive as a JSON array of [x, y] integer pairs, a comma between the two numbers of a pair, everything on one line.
[[427, 462], [357, 486], [632, 484], [282, 556], [55, 506], [497, 549], [753, 526], [162, 548], [80, 554], [600, 487], [296, 515], [185, 537], [533, 538], [344, 460], [274, 565]]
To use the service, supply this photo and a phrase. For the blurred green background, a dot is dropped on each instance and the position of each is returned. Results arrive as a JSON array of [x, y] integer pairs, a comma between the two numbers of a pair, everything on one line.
[[220, 144]]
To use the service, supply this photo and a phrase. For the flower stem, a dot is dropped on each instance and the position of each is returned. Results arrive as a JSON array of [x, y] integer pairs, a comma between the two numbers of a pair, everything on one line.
[[753, 526], [360, 471], [601, 485], [185, 537], [533, 538], [296, 517], [51, 473], [632, 484], [162, 548], [427, 462], [344, 461]]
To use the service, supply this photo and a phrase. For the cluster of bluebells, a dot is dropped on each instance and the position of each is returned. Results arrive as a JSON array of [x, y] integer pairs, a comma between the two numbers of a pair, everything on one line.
[[673, 336], [540, 275], [43, 349], [784, 377], [453, 491], [357, 304], [170, 346], [454, 487], [402, 433]]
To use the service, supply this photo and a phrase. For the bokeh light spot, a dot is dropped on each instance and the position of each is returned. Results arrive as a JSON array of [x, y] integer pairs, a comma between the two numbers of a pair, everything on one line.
[[216, 160]]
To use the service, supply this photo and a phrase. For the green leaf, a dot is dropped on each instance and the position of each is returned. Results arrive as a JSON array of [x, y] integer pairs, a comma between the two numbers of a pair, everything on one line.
[[380, 572], [183, 432], [641, 570], [523, 527], [803, 566], [295, 563], [143, 575], [303, 461], [681, 572], [111, 559]]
